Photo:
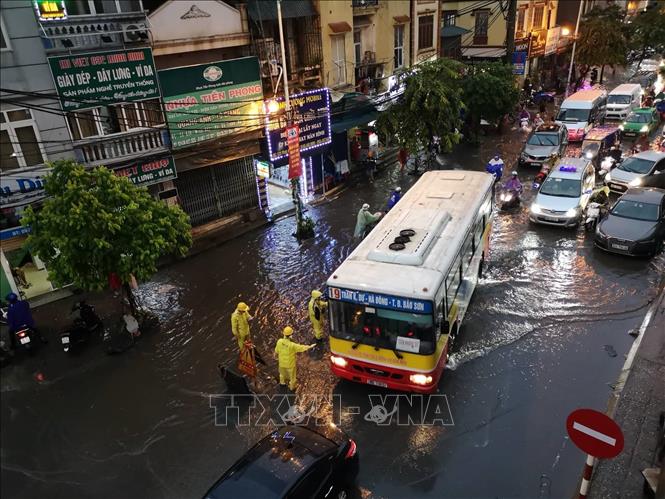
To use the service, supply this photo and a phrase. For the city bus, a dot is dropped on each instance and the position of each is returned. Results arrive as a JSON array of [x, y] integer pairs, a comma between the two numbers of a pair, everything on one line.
[[398, 300]]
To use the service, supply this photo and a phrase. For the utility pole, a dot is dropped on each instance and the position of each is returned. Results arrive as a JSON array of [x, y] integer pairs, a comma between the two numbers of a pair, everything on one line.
[[510, 30], [572, 56]]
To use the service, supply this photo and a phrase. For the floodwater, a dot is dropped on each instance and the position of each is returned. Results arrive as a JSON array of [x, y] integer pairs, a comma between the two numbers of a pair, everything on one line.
[[546, 333]]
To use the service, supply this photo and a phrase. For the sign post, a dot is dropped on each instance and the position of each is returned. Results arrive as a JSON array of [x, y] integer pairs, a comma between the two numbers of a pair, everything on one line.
[[596, 434]]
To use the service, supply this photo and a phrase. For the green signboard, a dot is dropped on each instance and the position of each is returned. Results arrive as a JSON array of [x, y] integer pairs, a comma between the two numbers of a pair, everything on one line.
[[207, 101], [102, 78], [148, 173]]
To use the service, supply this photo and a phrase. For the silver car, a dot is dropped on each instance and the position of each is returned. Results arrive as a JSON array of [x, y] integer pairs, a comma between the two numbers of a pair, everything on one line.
[[545, 143], [633, 169]]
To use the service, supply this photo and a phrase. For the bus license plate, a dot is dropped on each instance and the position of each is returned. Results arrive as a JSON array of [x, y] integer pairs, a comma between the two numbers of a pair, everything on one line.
[[377, 383], [620, 247]]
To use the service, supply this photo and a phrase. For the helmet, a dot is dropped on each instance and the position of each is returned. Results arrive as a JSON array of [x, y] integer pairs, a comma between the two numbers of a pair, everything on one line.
[[316, 294], [398, 189], [514, 174], [288, 331], [242, 306], [11, 297], [365, 206]]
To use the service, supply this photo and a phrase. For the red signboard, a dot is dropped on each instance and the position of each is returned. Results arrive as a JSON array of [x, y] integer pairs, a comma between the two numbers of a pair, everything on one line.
[[293, 144], [595, 433]]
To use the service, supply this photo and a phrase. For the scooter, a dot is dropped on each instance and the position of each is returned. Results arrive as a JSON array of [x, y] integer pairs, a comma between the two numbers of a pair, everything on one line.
[[592, 216], [509, 199], [25, 338], [85, 322]]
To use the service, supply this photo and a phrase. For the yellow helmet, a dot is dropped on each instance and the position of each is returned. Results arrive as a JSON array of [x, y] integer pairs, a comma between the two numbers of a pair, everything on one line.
[[242, 306], [288, 331], [316, 294]]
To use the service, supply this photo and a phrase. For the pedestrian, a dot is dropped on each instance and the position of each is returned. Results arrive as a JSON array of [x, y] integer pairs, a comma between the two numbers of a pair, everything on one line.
[[370, 164], [402, 157], [285, 353], [363, 220], [316, 307], [240, 324], [19, 315], [395, 196]]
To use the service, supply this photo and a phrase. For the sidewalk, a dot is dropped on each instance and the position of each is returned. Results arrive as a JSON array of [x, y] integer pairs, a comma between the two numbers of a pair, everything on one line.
[[636, 410]]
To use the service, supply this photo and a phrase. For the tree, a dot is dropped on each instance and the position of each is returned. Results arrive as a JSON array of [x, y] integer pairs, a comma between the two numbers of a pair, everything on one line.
[[430, 107], [489, 92], [94, 223], [646, 33], [602, 39]]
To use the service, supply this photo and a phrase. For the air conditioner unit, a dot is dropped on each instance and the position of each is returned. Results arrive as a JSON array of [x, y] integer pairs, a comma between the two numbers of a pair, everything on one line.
[[134, 32]]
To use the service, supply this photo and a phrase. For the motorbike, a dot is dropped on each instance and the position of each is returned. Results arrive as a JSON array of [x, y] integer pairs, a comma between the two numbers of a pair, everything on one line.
[[509, 199], [25, 338], [592, 216], [524, 124], [85, 321]]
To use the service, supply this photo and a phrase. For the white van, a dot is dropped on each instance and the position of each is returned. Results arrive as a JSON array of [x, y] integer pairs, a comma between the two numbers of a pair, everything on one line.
[[581, 111], [623, 99]]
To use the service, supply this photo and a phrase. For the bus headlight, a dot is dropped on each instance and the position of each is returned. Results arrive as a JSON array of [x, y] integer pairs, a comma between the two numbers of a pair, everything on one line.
[[338, 361], [420, 379]]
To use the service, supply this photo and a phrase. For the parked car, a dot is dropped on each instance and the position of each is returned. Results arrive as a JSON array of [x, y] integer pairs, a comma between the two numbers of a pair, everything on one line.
[[631, 171], [635, 225], [294, 462], [563, 196], [545, 143], [642, 121]]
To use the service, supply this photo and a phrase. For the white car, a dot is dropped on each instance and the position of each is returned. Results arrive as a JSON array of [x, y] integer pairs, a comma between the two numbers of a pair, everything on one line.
[[630, 172], [564, 194]]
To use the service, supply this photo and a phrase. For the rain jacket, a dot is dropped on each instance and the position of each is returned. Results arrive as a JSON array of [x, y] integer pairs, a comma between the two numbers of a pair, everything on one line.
[[495, 167], [240, 327], [286, 351], [364, 219], [513, 184], [316, 307], [394, 198], [19, 314]]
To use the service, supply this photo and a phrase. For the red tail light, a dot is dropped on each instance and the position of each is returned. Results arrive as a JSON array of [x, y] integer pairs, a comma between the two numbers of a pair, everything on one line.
[[20, 334], [352, 450]]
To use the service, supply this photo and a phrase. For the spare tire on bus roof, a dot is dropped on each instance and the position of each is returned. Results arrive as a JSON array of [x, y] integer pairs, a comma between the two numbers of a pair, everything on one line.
[[407, 232], [396, 246], [402, 239]]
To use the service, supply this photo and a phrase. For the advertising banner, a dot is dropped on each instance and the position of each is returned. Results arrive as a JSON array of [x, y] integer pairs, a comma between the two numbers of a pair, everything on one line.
[[207, 101], [102, 78], [262, 168], [311, 111], [538, 40], [22, 187], [552, 42], [519, 62], [293, 141], [148, 173]]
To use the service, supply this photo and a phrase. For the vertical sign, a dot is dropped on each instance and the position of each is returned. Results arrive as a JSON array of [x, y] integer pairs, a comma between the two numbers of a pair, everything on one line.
[[293, 144]]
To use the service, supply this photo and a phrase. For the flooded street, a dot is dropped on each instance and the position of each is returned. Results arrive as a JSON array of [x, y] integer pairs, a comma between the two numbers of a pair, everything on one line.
[[546, 333]]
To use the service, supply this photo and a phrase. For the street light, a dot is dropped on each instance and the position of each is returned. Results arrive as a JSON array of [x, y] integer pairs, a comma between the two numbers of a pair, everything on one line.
[[565, 31], [572, 56]]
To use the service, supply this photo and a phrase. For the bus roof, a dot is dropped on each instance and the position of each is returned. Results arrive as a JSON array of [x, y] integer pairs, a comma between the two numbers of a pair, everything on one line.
[[435, 208]]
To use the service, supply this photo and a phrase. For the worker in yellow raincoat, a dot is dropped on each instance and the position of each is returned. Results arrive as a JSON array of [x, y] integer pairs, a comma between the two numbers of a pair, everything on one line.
[[240, 324], [285, 352], [317, 307]]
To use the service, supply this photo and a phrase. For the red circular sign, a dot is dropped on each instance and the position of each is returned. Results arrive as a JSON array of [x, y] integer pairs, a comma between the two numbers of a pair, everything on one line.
[[595, 433]]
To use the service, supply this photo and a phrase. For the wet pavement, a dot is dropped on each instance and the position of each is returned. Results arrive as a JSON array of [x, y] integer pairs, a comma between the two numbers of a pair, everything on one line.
[[546, 333]]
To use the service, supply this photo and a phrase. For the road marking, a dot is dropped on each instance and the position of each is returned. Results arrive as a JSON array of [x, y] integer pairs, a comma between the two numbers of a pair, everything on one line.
[[595, 434]]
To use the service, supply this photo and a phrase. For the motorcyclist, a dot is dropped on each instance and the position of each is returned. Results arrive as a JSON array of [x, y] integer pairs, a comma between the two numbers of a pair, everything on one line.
[[495, 167], [18, 315], [513, 183], [363, 220], [395, 196], [537, 121], [524, 114]]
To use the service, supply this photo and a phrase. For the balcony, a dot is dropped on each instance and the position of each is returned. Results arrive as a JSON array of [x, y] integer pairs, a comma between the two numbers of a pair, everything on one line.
[[95, 31], [122, 146], [364, 6]]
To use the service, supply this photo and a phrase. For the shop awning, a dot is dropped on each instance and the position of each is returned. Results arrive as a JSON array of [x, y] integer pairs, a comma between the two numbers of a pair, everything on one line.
[[340, 27], [260, 10], [353, 110], [453, 31]]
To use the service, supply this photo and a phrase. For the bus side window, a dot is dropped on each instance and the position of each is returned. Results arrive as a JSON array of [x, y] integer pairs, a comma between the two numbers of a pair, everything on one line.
[[467, 250], [453, 281], [478, 230]]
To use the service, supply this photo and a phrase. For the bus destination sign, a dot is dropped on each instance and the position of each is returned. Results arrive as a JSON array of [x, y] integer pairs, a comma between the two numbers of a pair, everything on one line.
[[380, 300]]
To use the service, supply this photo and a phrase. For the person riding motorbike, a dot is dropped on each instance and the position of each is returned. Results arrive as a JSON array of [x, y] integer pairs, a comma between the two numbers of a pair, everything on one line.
[[395, 196], [513, 184], [537, 121], [495, 167], [18, 315], [364, 219]]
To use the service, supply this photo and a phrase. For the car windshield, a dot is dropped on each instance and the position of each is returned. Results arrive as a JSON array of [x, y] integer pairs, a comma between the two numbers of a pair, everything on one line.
[[618, 99], [638, 118], [636, 165], [636, 210], [543, 139], [562, 187], [573, 115], [382, 328]]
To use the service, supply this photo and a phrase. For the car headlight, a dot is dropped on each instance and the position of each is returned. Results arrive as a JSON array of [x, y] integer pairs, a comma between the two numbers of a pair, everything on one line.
[[636, 182], [524, 155], [600, 233], [608, 177], [645, 128], [621, 127], [571, 213], [536, 209]]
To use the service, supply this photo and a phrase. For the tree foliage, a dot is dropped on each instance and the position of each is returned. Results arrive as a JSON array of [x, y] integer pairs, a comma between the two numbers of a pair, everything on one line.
[[430, 106], [602, 38], [489, 92], [94, 223], [647, 32]]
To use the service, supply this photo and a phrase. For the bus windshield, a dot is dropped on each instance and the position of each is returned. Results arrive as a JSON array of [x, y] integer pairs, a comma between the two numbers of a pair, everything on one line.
[[381, 327]]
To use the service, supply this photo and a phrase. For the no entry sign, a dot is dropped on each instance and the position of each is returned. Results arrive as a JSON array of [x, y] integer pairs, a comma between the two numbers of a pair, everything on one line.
[[595, 433]]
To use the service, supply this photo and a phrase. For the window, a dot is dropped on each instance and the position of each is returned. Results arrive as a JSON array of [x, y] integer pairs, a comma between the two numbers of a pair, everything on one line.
[[399, 46], [20, 145], [449, 17], [91, 7], [4, 37], [425, 32], [357, 46], [478, 231], [521, 17], [453, 282], [538, 16], [480, 29], [119, 118], [317, 476], [338, 59]]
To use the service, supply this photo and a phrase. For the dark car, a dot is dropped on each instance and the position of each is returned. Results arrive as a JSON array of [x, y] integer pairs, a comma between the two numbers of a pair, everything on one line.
[[293, 462], [635, 225]]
